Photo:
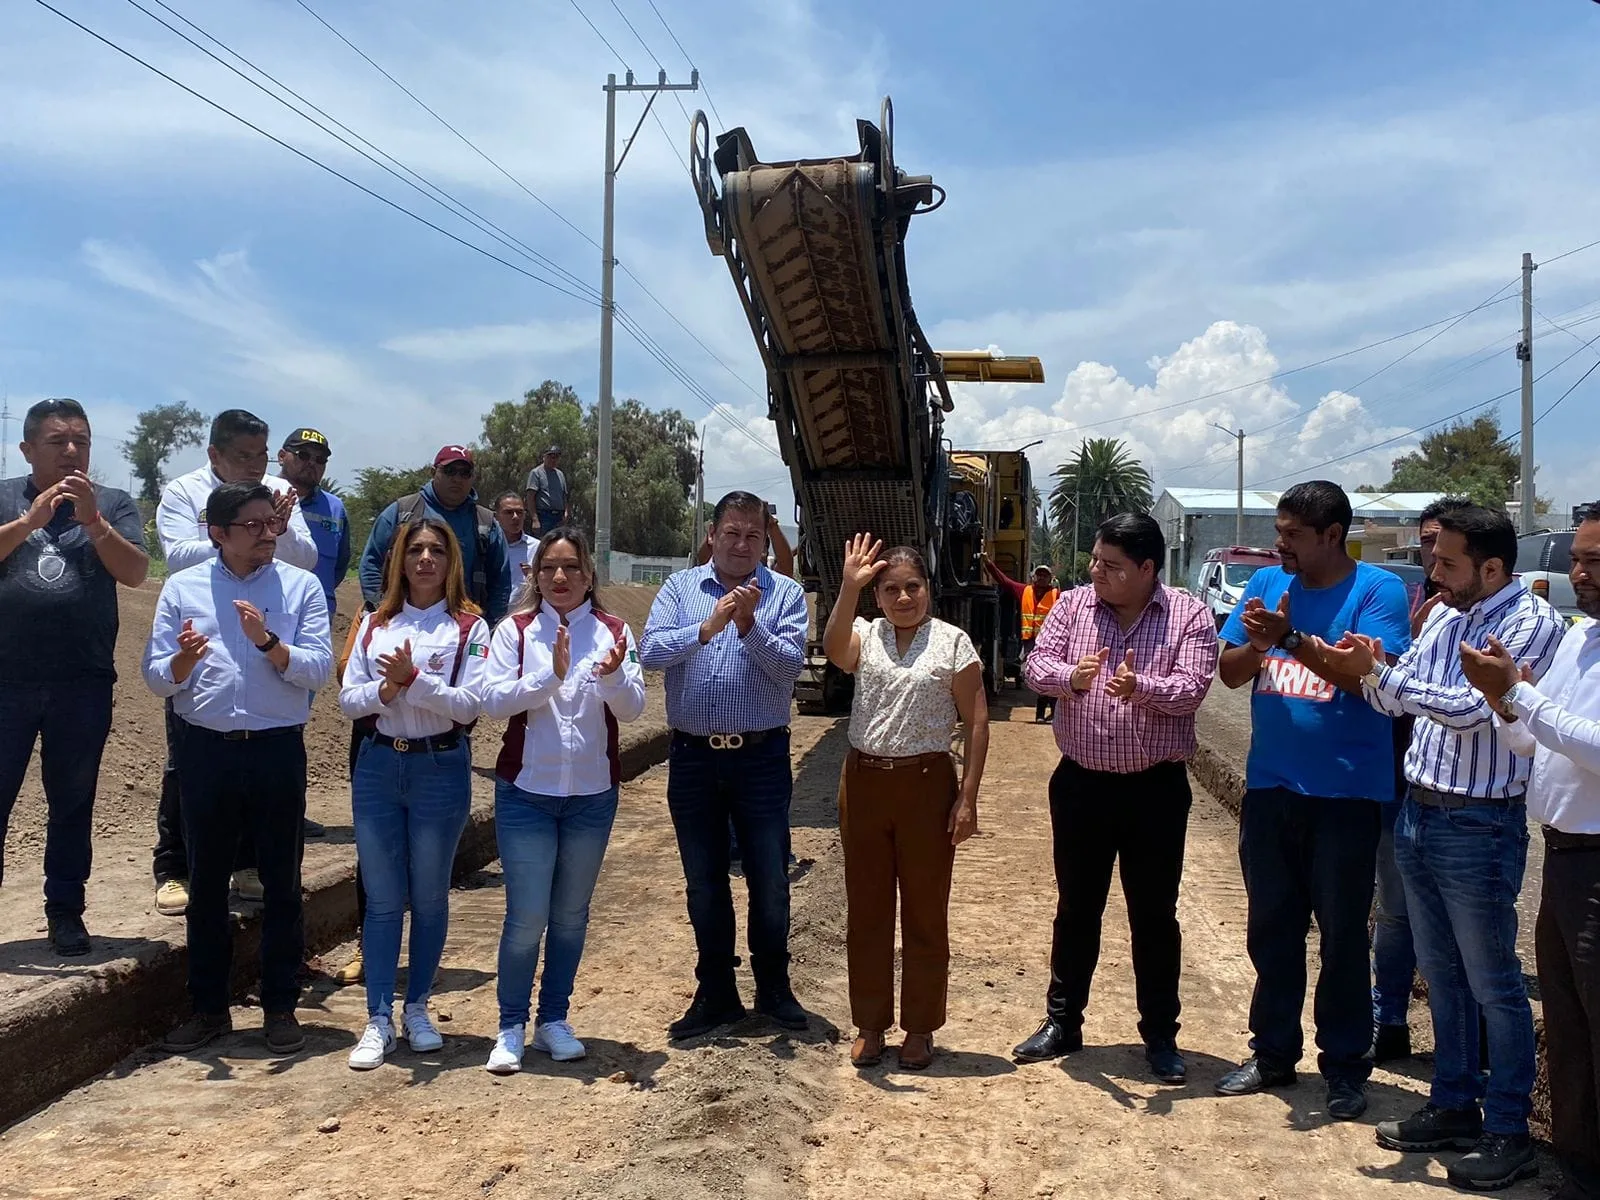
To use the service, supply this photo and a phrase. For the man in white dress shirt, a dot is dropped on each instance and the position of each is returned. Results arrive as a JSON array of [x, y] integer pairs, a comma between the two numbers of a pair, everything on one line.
[[1558, 722], [512, 516], [237, 454], [239, 644]]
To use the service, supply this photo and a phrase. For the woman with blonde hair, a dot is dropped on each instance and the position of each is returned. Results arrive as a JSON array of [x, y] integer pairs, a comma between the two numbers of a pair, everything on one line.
[[902, 810], [564, 672], [417, 666]]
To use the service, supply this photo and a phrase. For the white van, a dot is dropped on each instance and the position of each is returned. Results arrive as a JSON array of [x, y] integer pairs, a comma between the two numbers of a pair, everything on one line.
[[1225, 572]]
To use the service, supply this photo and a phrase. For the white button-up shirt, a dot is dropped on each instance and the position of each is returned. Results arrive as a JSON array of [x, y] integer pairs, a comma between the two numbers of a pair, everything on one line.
[[1559, 724], [430, 705], [185, 539], [518, 555], [562, 740], [235, 686]]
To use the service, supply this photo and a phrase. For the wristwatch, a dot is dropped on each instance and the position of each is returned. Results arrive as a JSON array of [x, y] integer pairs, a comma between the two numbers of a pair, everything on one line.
[[1502, 705], [268, 645], [1371, 678], [1291, 640]]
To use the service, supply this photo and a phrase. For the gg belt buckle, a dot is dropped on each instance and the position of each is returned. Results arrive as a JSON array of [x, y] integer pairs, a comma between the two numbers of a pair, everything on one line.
[[725, 741], [401, 745]]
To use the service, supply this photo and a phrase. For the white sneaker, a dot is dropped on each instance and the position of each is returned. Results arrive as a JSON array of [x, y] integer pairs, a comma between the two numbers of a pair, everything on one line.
[[377, 1041], [506, 1057], [420, 1033], [247, 884], [556, 1039], [172, 898]]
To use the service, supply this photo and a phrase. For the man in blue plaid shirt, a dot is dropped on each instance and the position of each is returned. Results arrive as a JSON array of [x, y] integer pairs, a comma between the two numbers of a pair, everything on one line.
[[731, 637]]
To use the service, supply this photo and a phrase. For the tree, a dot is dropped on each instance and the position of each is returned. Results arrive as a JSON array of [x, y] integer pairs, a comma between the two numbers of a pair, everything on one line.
[[377, 488], [159, 433], [1468, 458], [516, 435], [1103, 479]]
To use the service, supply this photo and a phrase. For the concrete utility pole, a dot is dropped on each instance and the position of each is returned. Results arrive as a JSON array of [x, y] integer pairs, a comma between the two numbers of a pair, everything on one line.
[[602, 483], [1238, 499], [1525, 353], [5, 435]]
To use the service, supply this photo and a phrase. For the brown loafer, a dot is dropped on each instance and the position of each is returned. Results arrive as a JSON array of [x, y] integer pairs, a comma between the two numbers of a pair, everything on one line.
[[868, 1050], [916, 1052]]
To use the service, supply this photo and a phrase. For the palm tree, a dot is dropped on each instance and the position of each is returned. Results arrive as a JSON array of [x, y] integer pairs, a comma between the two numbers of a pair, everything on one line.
[[1101, 480]]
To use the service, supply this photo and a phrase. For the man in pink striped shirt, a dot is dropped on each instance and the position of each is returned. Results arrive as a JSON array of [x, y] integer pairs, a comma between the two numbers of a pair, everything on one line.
[[1131, 660]]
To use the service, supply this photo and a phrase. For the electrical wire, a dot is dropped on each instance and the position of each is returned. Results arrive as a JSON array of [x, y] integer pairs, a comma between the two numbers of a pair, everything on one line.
[[1566, 393], [710, 103]]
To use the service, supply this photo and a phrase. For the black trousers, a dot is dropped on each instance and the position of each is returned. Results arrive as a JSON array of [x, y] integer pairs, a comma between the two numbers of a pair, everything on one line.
[[229, 787], [1567, 944], [169, 859], [1306, 856], [1139, 821]]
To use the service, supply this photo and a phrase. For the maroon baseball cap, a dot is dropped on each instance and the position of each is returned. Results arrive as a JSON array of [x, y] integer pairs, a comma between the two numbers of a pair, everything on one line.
[[452, 454]]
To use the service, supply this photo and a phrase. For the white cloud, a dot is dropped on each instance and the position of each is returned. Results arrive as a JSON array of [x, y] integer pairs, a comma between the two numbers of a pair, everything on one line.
[[479, 342]]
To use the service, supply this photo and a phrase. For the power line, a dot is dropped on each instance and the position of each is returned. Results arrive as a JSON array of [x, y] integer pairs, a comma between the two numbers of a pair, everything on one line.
[[1570, 253], [1567, 393], [312, 159], [614, 52], [710, 103], [452, 204]]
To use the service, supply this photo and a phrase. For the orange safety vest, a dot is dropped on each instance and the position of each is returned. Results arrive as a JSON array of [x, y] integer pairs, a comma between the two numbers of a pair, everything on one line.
[[1033, 611]]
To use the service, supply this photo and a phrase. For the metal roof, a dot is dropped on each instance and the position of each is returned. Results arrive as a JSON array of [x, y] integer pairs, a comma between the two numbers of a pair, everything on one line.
[[1378, 505]]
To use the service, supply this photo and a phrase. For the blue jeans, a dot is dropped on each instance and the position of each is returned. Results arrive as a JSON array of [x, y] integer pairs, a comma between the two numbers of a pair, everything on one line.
[[1463, 869], [409, 812], [71, 721], [1394, 958], [751, 786], [1304, 857], [551, 848]]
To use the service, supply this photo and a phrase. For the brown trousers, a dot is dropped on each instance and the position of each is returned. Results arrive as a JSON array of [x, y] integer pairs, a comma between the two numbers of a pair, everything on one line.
[[894, 815], [1567, 944]]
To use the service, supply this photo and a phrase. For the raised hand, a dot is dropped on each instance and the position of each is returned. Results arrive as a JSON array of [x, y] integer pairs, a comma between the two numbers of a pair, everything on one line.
[[561, 656], [1266, 626], [284, 504], [861, 563], [45, 504], [252, 622], [397, 666], [192, 647], [1088, 669], [613, 659], [1120, 686], [80, 490], [1492, 670]]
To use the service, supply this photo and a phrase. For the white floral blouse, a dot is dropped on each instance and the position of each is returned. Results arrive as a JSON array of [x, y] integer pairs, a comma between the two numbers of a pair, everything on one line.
[[905, 703]]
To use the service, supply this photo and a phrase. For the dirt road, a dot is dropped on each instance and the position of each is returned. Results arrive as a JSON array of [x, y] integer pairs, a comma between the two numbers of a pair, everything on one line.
[[756, 1112]]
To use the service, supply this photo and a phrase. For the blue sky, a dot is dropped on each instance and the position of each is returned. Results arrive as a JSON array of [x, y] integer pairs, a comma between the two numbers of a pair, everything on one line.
[[1162, 200]]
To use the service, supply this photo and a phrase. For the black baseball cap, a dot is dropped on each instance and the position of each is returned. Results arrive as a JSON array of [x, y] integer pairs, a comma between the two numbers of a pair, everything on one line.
[[304, 437]]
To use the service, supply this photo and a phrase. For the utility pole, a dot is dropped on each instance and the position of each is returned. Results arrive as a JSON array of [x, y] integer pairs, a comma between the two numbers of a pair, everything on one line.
[[1525, 353], [1238, 496], [602, 484], [697, 533], [5, 434]]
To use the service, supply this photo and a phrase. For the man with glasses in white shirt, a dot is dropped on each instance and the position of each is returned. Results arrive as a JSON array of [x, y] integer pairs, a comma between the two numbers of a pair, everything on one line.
[[239, 644]]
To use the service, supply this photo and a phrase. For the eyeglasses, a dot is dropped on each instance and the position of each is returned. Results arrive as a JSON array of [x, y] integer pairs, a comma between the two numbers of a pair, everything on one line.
[[551, 570], [255, 528], [306, 456], [457, 470]]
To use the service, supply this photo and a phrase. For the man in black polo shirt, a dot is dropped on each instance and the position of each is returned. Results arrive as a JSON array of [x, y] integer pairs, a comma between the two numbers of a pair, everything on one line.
[[65, 544]]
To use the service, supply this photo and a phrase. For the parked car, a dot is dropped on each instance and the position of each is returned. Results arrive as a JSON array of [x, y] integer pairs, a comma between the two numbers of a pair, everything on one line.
[[1225, 572], [1544, 560]]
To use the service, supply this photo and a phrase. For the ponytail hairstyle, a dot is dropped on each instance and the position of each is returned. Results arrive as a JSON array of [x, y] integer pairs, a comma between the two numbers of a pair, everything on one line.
[[526, 599]]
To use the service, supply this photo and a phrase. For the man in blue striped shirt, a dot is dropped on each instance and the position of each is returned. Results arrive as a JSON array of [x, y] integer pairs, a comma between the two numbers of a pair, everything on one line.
[[731, 637], [1461, 843]]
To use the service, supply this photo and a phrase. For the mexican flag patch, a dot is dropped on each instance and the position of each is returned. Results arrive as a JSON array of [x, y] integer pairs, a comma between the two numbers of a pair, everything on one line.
[[477, 650], [633, 656]]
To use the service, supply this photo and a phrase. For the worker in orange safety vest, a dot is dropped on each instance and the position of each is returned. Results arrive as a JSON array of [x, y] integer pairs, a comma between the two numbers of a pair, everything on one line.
[[1036, 599]]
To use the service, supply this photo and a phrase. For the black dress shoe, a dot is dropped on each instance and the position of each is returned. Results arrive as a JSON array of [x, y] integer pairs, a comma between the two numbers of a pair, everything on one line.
[[709, 1010], [1051, 1040], [780, 1005], [68, 936], [1347, 1099], [1252, 1077], [1166, 1064], [312, 829], [1391, 1043]]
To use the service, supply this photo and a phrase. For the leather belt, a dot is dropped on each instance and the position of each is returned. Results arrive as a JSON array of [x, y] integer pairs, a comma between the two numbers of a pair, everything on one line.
[[730, 741], [1556, 839], [246, 735], [1435, 799], [878, 762], [437, 743]]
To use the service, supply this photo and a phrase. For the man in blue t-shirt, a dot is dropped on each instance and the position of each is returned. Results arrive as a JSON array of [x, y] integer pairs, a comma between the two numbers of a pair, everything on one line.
[[303, 461], [1321, 763]]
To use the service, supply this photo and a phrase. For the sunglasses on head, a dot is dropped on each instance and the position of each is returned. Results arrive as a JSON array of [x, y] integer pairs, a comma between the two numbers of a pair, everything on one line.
[[305, 455], [458, 470]]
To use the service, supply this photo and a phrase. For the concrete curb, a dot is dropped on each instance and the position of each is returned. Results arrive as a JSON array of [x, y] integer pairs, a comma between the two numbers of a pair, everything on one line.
[[70, 1034]]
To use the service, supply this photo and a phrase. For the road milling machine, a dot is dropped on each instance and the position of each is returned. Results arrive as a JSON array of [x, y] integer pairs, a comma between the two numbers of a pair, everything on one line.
[[816, 248]]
